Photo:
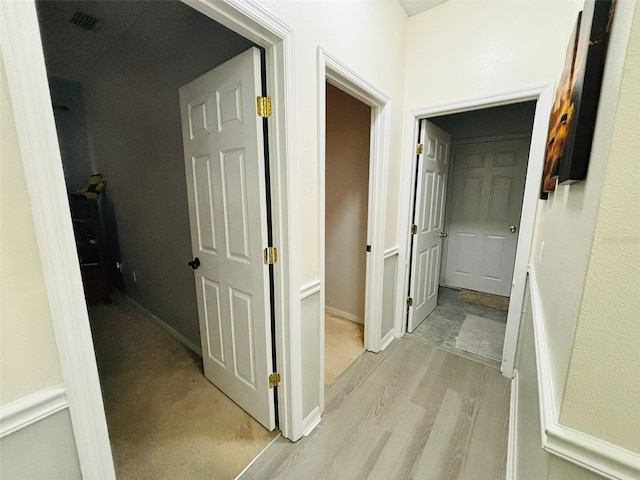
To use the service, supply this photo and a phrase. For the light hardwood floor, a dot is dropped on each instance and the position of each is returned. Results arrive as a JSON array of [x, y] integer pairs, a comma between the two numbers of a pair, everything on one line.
[[412, 411]]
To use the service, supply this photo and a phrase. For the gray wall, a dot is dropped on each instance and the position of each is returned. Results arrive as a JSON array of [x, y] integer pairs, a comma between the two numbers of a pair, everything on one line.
[[72, 135], [531, 461], [133, 123], [44, 449], [507, 120]]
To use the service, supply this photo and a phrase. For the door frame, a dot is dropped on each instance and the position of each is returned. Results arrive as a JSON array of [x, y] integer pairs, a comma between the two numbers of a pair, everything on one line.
[[543, 96], [333, 71], [33, 113]]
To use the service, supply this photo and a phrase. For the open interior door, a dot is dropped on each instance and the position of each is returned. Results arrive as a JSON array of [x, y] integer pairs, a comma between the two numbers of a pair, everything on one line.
[[428, 221], [225, 170]]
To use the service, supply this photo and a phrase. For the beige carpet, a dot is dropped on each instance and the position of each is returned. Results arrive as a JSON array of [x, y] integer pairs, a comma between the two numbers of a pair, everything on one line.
[[486, 299], [165, 420], [343, 344]]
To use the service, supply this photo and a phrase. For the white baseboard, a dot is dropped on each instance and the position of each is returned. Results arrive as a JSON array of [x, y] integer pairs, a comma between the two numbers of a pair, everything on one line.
[[343, 314], [28, 410], [512, 442], [587, 451], [166, 327], [312, 421], [387, 339]]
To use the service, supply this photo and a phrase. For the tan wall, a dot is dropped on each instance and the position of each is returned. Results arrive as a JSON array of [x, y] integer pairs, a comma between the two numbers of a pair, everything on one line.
[[603, 387], [28, 354], [347, 187]]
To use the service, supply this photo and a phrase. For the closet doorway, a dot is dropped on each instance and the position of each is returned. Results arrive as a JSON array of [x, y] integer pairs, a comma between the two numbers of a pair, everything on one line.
[[348, 126]]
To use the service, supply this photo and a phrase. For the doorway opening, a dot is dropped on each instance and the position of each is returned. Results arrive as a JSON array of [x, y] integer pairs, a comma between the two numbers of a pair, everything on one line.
[[486, 173], [496, 151], [348, 125], [114, 77]]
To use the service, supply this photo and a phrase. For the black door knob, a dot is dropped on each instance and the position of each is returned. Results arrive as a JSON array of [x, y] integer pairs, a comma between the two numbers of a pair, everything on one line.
[[195, 263]]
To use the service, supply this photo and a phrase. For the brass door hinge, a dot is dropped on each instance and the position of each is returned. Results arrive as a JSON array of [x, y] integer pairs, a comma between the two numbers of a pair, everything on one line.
[[274, 380], [270, 255], [414, 229], [409, 302], [420, 149], [264, 107]]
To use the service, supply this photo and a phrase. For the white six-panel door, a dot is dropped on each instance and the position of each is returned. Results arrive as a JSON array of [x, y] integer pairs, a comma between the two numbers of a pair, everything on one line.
[[224, 161], [486, 203], [429, 219]]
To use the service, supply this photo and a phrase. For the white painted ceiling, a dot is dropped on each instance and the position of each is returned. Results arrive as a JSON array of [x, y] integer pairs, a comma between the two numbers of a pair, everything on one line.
[[413, 7]]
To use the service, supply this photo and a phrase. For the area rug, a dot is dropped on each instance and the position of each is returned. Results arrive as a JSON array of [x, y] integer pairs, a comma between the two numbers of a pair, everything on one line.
[[481, 336], [486, 299]]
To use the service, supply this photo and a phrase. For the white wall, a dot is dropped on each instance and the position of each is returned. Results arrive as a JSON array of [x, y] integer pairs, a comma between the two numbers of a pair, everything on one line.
[[28, 353], [463, 49], [135, 137], [347, 187], [472, 49], [368, 37], [603, 387]]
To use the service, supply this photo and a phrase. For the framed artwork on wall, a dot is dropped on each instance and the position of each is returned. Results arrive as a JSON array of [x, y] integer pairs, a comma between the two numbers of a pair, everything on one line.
[[575, 107]]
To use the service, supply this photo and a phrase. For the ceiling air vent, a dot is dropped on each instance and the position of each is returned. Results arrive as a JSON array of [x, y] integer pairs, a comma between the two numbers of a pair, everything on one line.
[[83, 20]]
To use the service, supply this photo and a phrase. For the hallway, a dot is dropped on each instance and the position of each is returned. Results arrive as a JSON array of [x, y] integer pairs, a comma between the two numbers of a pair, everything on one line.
[[411, 411]]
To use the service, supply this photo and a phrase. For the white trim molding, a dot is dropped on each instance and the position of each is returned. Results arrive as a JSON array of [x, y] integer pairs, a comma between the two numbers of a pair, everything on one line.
[[390, 252], [587, 451], [346, 315], [28, 410], [309, 289], [512, 442], [312, 421]]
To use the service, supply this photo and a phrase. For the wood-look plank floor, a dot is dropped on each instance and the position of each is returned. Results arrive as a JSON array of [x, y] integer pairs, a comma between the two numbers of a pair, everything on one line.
[[411, 412]]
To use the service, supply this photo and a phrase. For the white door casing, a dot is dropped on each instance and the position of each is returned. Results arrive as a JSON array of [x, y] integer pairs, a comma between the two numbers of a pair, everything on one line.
[[487, 181], [225, 171], [429, 218]]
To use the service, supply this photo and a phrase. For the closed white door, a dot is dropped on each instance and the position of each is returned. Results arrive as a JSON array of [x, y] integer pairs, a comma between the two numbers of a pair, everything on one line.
[[486, 203], [428, 219], [224, 161]]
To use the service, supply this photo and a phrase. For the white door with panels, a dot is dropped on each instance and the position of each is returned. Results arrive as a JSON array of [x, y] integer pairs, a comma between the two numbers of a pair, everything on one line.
[[225, 171], [487, 189], [428, 222]]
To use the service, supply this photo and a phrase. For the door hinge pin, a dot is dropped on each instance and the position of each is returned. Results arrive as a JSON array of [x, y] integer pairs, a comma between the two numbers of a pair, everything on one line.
[[274, 380], [420, 149], [409, 302], [264, 107], [414, 229], [270, 255]]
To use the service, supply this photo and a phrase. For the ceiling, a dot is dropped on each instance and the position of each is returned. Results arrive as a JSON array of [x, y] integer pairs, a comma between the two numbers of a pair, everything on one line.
[[413, 7], [72, 51]]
